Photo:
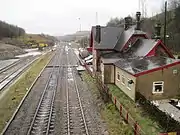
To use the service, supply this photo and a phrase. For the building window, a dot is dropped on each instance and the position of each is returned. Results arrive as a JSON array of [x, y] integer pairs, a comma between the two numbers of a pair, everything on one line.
[[123, 80], [158, 87], [128, 84], [118, 76]]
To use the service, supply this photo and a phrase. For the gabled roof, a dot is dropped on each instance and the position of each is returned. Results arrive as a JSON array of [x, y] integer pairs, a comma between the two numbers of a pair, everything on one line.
[[126, 35], [139, 65], [111, 57], [109, 37], [142, 47]]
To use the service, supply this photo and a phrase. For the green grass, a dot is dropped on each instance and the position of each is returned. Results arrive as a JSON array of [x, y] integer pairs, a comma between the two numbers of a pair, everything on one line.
[[115, 124], [145, 121], [16, 92]]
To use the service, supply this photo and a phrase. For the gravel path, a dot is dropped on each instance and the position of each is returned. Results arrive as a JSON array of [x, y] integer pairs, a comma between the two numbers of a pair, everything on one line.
[[92, 114]]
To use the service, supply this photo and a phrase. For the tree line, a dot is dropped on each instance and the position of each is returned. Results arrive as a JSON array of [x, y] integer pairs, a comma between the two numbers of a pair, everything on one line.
[[173, 25], [9, 30]]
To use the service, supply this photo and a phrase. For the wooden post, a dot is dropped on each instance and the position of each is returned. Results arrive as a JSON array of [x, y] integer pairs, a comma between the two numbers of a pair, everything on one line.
[[120, 110], [110, 96], [115, 101], [127, 116], [136, 128]]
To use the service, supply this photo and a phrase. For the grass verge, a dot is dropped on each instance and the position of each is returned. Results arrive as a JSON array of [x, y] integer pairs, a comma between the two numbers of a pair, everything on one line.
[[16, 92], [115, 124], [147, 123]]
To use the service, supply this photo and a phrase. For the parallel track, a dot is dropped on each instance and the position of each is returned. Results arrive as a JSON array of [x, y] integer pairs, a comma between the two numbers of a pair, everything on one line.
[[7, 79], [43, 120], [22, 101], [71, 76], [12, 65]]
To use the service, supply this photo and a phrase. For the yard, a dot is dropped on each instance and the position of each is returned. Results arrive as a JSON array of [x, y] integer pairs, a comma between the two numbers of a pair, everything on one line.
[[148, 125]]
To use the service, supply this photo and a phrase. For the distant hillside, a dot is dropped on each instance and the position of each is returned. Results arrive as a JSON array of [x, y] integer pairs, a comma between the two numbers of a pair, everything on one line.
[[9, 30], [23, 40], [76, 36], [39, 37]]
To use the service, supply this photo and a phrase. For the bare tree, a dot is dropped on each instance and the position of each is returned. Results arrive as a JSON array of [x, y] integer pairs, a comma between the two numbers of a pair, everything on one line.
[[173, 4], [115, 22]]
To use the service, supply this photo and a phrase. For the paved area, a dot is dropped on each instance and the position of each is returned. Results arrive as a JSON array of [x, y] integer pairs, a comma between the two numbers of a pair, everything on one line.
[[170, 109]]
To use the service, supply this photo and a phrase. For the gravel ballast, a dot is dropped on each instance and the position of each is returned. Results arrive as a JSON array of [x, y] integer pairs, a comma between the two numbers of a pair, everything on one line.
[[20, 124]]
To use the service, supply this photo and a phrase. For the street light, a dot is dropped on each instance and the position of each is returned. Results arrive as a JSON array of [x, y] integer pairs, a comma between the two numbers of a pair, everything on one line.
[[79, 24]]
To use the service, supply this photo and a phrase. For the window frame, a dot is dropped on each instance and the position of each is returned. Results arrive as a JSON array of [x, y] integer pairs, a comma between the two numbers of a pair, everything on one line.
[[129, 88], [154, 84], [118, 74], [122, 76]]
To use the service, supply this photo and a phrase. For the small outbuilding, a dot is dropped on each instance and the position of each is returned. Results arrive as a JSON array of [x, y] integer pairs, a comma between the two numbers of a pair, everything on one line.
[[154, 77]]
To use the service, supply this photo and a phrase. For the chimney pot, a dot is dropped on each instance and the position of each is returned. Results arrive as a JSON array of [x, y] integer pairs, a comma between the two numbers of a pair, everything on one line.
[[158, 30], [98, 33], [138, 18], [127, 22]]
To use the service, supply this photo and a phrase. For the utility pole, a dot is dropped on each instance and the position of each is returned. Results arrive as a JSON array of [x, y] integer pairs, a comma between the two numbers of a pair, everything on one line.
[[165, 15], [143, 7]]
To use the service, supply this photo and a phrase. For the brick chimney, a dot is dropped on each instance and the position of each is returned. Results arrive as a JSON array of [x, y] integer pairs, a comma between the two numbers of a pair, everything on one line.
[[98, 33], [138, 18], [126, 23]]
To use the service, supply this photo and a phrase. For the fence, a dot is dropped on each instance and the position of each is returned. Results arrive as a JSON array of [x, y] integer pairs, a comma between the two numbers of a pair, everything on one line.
[[122, 110]]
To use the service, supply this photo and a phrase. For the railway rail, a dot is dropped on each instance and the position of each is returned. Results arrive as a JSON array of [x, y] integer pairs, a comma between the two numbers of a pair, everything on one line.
[[18, 69], [22, 101], [44, 117], [78, 124], [12, 65]]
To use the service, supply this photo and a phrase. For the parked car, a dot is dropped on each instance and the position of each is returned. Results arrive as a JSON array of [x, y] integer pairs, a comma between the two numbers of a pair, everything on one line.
[[83, 53], [89, 62], [88, 58]]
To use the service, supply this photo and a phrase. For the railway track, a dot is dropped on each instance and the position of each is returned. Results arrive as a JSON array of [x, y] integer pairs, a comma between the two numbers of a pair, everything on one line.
[[9, 66], [6, 128], [44, 117], [76, 122], [18, 69], [12, 65]]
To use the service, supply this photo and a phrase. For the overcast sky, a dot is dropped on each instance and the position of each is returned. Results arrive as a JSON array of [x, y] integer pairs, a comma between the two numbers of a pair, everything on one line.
[[59, 17]]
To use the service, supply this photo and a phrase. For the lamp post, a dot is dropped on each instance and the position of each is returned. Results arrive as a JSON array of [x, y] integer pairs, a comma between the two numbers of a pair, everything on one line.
[[79, 24]]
